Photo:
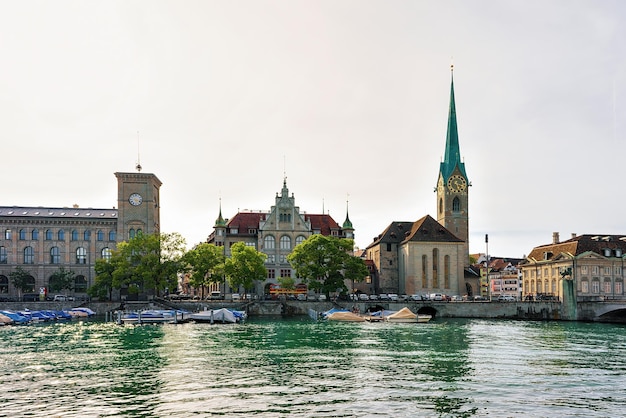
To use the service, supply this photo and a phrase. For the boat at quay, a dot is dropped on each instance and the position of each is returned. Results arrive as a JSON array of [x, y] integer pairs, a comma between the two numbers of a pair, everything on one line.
[[286, 366]]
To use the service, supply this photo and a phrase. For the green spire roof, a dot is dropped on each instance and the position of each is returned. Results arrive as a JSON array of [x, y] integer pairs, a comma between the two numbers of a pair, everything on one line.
[[452, 156], [347, 224], [220, 220]]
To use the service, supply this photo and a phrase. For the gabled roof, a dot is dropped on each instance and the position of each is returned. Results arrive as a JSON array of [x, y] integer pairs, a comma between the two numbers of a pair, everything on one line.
[[428, 229], [323, 223], [579, 245], [246, 220], [425, 229]]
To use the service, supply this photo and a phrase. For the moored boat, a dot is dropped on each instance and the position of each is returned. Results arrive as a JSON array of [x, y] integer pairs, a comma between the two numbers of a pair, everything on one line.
[[405, 315], [223, 315], [345, 316]]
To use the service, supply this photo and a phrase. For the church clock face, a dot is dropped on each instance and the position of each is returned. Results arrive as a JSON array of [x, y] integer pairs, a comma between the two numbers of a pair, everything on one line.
[[457, 184], [135, 199]]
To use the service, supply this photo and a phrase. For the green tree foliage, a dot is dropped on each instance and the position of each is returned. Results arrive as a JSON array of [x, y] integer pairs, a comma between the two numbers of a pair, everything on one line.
[[245, 266], [146, 263], [205, 265], [21, 279], [62, 279], [103, 286], [325, 262]]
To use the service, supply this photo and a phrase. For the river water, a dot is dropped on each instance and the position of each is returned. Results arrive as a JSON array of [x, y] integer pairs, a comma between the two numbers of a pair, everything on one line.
[[298, 367]]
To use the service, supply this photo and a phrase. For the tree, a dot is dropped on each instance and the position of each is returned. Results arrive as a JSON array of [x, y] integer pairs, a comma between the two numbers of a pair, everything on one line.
[[103, 286], [62, 279], [144, 263], [21, 279], [205, 263], [245, 266], [325, 262]]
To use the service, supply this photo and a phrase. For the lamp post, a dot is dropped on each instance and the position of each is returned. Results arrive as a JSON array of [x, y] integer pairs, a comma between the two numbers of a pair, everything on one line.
[[487, 267]]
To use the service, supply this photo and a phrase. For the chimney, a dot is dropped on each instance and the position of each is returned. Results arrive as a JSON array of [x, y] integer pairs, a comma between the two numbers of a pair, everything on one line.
[[555, 238], [573, 235]]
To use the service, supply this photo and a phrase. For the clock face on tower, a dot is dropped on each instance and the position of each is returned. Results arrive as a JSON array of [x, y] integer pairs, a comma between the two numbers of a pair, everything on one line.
[[135, 199], [457, 183]]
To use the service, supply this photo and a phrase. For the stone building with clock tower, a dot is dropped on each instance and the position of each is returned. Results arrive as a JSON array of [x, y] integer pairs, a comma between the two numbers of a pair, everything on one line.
[[452, 185], [138, 204], [428, 255]]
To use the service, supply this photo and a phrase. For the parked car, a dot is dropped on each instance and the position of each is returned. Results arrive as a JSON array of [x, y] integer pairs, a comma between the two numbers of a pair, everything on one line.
[[393, 297], [363, 296], [235, 297], [455, 298], [311, 298], [62, 298], [301, 297], [506, 298], [436, 296], [30, 297], [373, 297], [216, 295], [322, 298], [415, 297], [384, 296]]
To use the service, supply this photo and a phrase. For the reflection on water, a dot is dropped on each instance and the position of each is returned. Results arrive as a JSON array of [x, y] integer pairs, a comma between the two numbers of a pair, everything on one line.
[[284, 367]]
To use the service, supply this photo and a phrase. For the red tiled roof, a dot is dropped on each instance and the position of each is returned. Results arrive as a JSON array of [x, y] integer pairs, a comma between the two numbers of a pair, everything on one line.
[[579, 245], [245, 221], [322, 223]]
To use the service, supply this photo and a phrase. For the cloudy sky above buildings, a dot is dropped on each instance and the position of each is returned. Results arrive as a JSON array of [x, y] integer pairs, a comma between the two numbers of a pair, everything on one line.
[[348, 99]]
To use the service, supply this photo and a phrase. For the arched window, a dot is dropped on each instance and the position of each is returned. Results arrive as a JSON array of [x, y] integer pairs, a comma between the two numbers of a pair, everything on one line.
[[4, 284], [55, 256], [74, 235], [100, 235], [61, 235], [7, 234], [456, 205], [435, 268], [106, 253], [81, 256], [300, 239], [112, 235], [29, 255], [87, 235], [35, 234], [3, 255], [22, 235], [446, 271], [285, 243], [424, 272], [131, 233], [269, 243], [48, 235], [80, 284], [29, 285], [139, 231]]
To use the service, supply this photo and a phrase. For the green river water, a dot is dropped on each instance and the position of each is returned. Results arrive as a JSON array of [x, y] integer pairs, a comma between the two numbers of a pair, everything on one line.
[[277, 367]]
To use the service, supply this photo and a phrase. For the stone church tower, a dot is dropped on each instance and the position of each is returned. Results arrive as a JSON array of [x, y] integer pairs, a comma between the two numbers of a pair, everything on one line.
[[453, 185]]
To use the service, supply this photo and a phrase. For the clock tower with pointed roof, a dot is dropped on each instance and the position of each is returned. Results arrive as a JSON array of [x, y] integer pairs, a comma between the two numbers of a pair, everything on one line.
[[453, 185]]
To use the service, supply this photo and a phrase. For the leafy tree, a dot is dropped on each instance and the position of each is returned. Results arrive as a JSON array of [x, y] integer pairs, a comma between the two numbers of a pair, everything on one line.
[[21, 279], [244, 266], [62, 279], [103, 286], [144, 263], [205, 263], [325, 262]]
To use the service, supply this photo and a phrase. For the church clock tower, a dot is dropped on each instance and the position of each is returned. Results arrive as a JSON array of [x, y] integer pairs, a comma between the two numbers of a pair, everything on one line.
[[452, 185], [138, 204]]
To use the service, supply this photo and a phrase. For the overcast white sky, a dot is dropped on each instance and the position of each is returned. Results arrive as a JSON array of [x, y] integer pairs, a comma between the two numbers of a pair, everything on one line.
[[346, 97]]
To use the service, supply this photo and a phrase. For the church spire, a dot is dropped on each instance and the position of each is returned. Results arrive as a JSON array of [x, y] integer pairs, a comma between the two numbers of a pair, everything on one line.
[[220, 222], [452, 155]]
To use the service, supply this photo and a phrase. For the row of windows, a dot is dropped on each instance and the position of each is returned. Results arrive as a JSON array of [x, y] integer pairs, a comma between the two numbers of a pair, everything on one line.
[[554, 271], [607, 286], [436, 274], [80, 284], [49, 235], [271, 273], [269, 242], [55, 255]]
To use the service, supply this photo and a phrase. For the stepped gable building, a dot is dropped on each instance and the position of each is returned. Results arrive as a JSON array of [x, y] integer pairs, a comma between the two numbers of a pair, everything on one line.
[[594, 263], [41, 239], [428, 256], [276, 232]]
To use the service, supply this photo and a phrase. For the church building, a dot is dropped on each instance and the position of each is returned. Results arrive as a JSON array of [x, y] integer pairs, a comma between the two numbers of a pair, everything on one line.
[[428, 255]]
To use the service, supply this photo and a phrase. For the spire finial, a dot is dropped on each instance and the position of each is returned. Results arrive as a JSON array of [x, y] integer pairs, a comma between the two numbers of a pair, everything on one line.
[[138, 166]]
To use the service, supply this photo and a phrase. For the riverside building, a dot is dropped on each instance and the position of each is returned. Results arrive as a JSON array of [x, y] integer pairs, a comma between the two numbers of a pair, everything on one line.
[[41, 239], [275, 233], [430, 255]]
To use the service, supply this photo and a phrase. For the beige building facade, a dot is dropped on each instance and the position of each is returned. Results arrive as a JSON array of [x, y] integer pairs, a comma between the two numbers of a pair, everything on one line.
[[40, 240]]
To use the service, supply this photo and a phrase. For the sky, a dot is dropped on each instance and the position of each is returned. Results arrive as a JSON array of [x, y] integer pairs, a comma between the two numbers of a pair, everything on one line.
[[346, 98]]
